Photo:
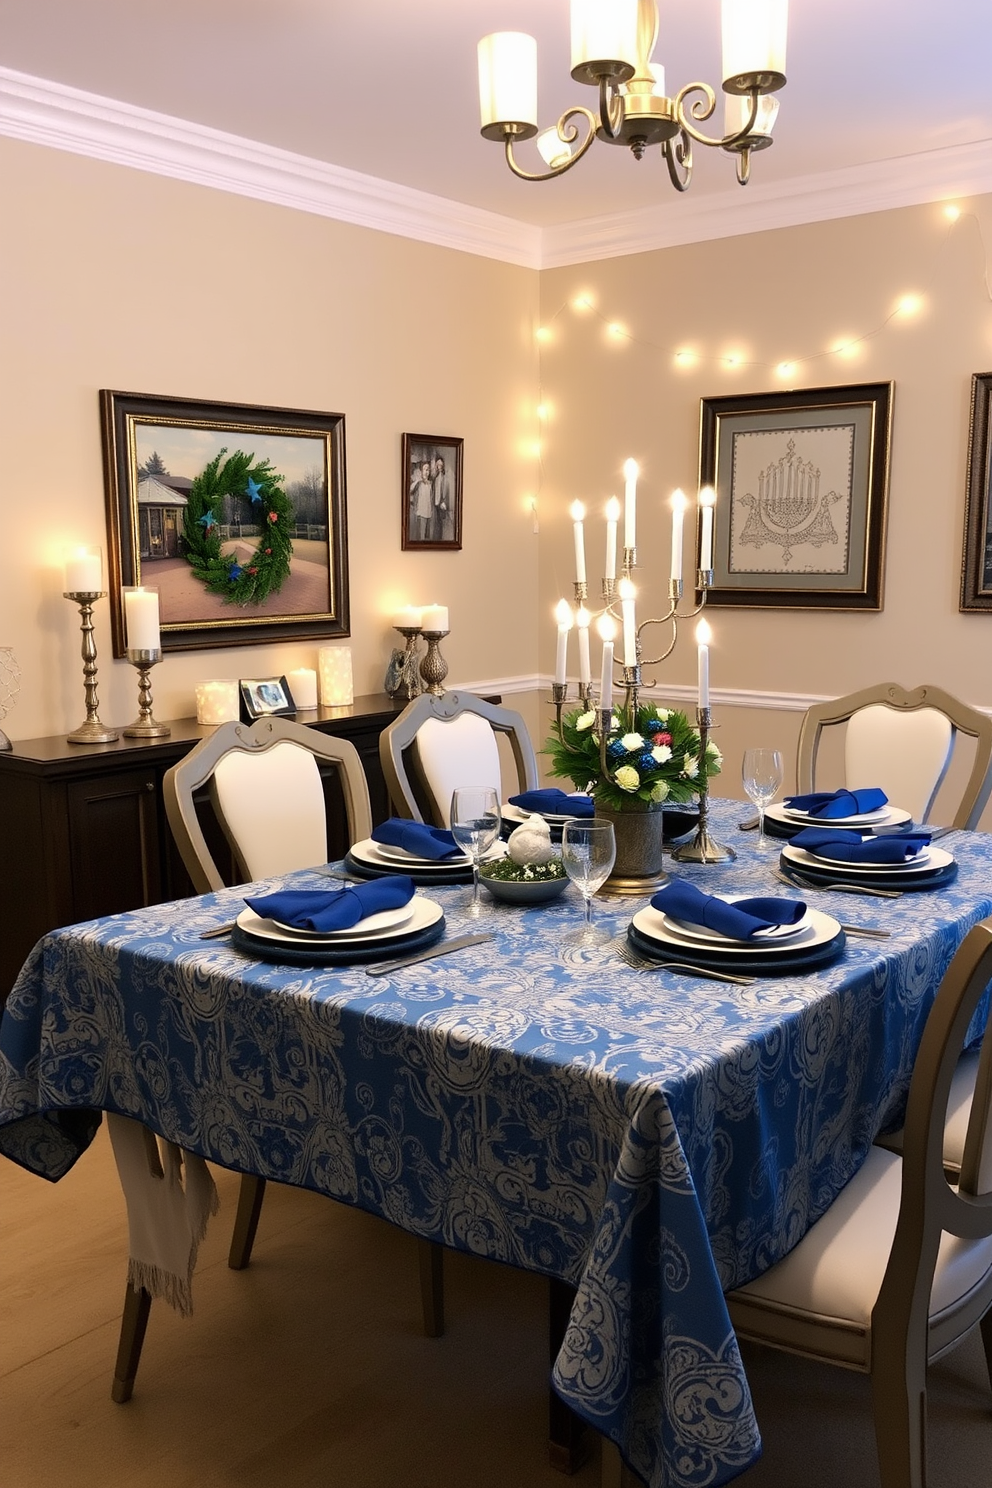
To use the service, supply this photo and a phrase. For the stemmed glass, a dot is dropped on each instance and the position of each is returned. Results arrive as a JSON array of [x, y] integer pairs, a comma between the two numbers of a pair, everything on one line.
[[475, 827], [762, 774], [588, 851]]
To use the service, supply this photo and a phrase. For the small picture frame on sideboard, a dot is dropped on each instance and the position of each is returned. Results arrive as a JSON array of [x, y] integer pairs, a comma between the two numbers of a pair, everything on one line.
[[265, 697]]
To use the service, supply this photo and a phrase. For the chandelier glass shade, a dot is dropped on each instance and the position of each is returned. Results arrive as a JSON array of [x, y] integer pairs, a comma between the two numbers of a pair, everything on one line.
[[613, 44]]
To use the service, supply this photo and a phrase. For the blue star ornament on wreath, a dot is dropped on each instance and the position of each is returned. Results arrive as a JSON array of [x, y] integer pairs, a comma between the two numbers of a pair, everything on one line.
[[242, 477]]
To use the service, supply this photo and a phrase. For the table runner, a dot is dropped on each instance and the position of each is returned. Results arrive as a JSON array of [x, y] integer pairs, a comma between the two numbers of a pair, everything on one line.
[[652, 1140]]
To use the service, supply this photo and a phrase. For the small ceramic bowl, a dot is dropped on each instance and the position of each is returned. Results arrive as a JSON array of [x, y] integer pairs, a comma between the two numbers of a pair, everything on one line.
[[522, 890]]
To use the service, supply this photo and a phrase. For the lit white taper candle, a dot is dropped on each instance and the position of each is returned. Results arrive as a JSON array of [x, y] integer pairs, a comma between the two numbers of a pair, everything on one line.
[[703, 637], [578, 511], [707, 501], [607, 631], [679, 505], [630, 474], [563, 615], [582, 620], [612, 518], [627, 594]]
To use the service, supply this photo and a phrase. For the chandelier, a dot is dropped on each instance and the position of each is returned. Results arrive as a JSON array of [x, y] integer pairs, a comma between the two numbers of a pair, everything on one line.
[[613, 43]]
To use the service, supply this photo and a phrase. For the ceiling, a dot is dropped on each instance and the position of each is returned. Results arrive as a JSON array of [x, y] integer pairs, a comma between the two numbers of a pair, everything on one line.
[[388, 88]]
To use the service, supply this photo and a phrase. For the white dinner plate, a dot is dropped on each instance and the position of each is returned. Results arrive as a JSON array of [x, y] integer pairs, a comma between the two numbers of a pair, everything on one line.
[[704, 933], [928, 861], [371, 925], [377, 855], [424, 913], [887, 816], [389, 850], [819, 928], [518, 814]]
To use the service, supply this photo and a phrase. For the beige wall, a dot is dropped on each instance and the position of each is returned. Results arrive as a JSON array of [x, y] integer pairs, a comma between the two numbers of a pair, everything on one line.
[[117, 279], [769, 297]]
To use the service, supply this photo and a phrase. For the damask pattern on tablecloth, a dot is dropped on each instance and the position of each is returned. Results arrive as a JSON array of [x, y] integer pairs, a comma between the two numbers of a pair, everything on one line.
[[651, 1139]]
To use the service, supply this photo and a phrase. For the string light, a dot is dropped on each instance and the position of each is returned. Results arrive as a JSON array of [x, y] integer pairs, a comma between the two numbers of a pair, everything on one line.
[[617, 331], [543, 333], [685, 358], [786, 369], [909, 305]]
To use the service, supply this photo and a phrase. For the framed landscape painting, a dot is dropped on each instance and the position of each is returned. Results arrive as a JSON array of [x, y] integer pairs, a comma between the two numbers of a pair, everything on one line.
[[801, 480], [976, 562], [236, 514]]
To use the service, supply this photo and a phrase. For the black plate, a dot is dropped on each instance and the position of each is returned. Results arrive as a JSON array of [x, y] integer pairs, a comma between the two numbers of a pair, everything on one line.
[[362, 869], [909, 883], [782, 963], [383, 949]]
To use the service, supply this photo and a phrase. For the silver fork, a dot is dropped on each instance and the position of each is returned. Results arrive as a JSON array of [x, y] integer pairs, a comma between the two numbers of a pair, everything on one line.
[[687, 968], [796, 879]]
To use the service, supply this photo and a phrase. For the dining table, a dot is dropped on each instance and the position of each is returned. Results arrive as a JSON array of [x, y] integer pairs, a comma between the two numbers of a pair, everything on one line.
[[650, 1138]]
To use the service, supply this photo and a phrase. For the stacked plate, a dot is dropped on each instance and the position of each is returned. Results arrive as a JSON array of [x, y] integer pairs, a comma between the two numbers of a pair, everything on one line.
[[369, 859], [783, 950], [784, 821], [391, 932], [929, 869], [676, 821]]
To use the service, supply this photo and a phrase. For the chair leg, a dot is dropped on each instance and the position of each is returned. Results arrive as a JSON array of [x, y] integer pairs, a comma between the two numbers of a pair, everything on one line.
[[567, 1444], [250, 1198], [431, 1259], [137, 1305], [899, 1406], [986, 1326]]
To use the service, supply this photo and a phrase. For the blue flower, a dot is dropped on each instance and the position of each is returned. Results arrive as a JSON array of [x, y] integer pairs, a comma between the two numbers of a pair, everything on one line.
[[615, 750], [235, 571], [654, 725], [646, 762]]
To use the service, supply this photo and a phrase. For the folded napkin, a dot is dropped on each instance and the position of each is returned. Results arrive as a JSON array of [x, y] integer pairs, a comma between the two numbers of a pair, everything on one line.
[[851, 847], [417, 838], [831, 804], [554, 802], [740, 921], [334, 909]]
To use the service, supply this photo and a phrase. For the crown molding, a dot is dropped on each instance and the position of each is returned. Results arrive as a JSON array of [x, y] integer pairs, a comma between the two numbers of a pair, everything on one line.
[[63, 118]]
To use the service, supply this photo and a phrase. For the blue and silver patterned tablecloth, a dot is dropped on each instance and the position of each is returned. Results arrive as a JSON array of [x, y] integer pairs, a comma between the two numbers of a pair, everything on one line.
[[650, 1139]]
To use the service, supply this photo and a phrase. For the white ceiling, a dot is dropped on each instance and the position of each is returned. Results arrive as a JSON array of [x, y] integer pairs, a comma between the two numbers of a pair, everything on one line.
[[388, 87]]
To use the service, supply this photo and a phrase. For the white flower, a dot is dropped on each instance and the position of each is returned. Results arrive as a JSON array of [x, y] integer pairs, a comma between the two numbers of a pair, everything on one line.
[[627, 778], [661, 754], [690, 766], [631, 742], [659, 791], [585, 721], [663, 714], [712, 753]]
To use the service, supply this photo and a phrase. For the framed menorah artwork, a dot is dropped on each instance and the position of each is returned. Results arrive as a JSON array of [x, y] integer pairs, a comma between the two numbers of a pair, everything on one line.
[[801, 481], [976, 561]]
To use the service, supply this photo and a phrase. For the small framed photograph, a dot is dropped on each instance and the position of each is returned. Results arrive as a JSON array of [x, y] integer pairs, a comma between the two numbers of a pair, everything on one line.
[[431, 491], [976, 564], [265, 697], [801, 480]]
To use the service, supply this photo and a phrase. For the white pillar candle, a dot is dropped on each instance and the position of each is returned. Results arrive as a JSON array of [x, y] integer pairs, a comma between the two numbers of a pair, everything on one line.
[[303, 686], [679, 505], [217, 701], [612, 518], [703, 638], [434, 617], [582, 622], [84, 571], [141, 619], [408, 618], [630, 474], [627, 593], [563, 615], [578, 511], [336, 685], [707, 501], [607, 631]]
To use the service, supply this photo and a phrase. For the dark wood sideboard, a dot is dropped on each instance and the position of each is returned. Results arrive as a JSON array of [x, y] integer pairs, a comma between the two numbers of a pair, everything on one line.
[[83, 829]]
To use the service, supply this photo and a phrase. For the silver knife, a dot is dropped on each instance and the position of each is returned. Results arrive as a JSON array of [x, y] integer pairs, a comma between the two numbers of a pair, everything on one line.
[[441, 949]]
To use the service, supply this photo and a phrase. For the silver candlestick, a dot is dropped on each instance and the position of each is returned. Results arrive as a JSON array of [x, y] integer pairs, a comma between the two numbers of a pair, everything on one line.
[[433, 667], [92, 731], [145, 726], [703, 848]]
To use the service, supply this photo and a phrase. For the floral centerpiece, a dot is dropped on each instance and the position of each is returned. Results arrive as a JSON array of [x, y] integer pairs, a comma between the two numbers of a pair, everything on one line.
[[650, 758]]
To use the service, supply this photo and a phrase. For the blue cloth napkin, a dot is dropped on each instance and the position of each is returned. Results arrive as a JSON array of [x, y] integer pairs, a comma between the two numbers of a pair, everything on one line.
[[851, 847], [334, 909], [740, 921], [828, 805], [417, 838], [554, 802]]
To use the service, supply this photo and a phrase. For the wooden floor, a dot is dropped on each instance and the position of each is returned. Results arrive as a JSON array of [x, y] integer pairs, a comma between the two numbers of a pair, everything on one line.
[[310, 1370]]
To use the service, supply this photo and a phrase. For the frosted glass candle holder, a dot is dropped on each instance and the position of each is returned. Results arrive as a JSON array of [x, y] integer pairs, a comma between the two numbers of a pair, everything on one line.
[[303, 686], [336, 684], [217, 701]]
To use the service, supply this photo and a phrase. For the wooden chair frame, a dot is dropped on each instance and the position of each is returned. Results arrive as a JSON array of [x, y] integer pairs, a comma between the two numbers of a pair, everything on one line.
[[963, 719], [408, 791]]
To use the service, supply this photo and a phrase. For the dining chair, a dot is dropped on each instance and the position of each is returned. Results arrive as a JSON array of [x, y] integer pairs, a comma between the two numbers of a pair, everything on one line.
[[265, 788], [899, 1268], [903, 742], [439, 743]]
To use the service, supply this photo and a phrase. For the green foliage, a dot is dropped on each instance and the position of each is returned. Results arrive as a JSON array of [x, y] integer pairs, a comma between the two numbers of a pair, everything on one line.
[[267, 569], [652, 758]]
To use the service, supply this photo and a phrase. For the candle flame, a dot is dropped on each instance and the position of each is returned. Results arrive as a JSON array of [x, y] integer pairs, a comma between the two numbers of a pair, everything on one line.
[[626, 589], [582, 618], [563, 613], [631, 470], [703, 633], [707, 496], [577, 511], [606, 627], [678, 501], [613, 510]]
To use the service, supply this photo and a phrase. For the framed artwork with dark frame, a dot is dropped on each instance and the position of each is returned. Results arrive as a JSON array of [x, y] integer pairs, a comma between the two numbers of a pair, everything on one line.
[[237, 515], [265, 697], [801, 480], [431, 491], [976, 558]]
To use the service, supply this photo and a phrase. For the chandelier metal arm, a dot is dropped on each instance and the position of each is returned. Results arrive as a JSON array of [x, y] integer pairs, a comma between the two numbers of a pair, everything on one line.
[[610, 107], [568, 134], [678, 158], [702, 109]]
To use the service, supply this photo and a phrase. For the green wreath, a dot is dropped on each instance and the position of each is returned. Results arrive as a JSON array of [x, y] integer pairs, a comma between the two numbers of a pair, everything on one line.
[[268, 567]]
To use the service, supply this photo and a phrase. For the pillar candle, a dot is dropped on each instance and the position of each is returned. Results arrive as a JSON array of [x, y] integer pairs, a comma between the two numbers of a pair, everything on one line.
[[408, 618], [627, 593], [434, 617], [336, 685], [578, 511], [612, 517], [217, 701], [679, 505], [707, 500], [703, 637], [563, 615], [582, 621], [84, 571], [141, 619], [303, 686], [630, 474]]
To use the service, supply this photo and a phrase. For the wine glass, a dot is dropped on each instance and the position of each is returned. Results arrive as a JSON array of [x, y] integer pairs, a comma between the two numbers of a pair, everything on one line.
[[475, 827], [762, 774], [588, 851]]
